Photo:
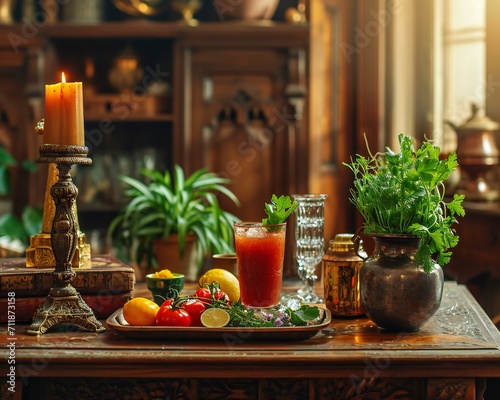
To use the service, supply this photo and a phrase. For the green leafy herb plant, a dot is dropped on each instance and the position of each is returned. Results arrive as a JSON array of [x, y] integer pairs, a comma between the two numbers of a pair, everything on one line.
[[279, 209], [404, 193]]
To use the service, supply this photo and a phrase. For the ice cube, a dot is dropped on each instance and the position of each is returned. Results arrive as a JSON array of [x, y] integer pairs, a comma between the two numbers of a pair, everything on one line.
[[256, 233]]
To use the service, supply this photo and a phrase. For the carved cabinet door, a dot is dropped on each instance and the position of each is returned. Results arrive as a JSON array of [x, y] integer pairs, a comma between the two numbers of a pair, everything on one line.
[[241, 124], [243, 118]]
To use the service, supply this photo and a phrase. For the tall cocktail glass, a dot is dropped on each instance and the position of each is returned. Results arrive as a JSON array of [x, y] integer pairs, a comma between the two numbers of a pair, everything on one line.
[[310, 241], [260, 251]]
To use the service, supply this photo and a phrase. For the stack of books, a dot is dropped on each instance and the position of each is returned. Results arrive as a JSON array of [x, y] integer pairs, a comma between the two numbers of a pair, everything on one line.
[[106, 286]]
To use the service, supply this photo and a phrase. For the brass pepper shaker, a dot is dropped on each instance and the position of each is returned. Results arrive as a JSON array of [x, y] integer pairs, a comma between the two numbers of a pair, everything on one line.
[[341, 269]]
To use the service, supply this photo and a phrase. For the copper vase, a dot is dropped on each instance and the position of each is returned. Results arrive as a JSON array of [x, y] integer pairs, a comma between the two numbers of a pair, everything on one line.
[[396, 293]]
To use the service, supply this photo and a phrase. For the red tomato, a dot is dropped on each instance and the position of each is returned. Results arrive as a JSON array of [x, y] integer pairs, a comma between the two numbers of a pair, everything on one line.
[[204, 295], [195, 308], [167, 302], [220, 295], [167, 316]]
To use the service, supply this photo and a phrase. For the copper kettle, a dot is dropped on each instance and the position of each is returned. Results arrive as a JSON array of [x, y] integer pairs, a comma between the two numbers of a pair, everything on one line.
[[478, 156]]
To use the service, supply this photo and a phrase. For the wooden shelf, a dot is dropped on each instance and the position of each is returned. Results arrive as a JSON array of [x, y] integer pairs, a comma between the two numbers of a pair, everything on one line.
[[281, 31], [247, 68], [93, 117]]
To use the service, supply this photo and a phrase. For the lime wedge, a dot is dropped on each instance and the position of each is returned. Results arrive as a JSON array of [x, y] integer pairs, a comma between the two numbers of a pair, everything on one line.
[[214, 318]]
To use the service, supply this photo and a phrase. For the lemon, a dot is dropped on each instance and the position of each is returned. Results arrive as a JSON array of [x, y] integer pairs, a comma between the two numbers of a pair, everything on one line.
[[228, 283], [214, 318]]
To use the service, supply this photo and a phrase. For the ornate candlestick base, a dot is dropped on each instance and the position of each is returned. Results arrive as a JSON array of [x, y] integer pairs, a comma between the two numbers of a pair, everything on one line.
[[64, 304]]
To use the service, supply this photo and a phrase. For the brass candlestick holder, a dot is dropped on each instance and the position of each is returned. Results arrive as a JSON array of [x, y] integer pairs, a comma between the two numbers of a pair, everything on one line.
[[39, 254], [64, 305]]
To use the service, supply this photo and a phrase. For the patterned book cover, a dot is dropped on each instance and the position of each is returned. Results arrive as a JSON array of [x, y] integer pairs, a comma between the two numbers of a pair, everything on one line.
[[102, 304], [107, 275]]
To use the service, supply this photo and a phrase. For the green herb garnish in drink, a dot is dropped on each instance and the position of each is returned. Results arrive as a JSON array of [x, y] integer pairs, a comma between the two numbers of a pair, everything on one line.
[[279, 209]]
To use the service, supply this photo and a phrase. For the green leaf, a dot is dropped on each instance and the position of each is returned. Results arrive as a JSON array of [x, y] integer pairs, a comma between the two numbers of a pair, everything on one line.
[[12, 227], [279, 210], [6, 159], [32, 218], [29, 166], [455, 206], [4, 181], [304, 314]]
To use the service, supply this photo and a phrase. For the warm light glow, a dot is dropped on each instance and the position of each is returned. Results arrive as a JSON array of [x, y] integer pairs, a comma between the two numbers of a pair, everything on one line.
[[63, 78]]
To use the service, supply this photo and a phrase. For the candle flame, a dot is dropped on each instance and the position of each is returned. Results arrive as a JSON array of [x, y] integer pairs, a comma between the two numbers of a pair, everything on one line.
[[63, 78]]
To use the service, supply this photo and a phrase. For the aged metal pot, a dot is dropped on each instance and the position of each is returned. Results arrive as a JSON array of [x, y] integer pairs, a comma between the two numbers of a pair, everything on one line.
[[396, 293], [478, 156]]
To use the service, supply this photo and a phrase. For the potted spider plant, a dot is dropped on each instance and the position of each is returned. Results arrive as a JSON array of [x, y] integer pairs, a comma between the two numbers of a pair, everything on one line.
[[174, 221], [401, 197]]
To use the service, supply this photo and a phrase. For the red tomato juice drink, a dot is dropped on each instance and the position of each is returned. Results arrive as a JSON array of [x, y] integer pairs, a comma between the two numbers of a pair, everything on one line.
[[260, 251]]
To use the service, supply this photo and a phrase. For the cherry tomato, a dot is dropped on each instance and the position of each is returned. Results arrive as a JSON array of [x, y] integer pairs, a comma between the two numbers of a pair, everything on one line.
[[204, 295], [195, 308], [220, 295], [168, 316]]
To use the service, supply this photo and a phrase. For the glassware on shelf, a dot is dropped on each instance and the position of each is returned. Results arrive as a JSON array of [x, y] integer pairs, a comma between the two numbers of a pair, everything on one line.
[[142, 8], [187, 8], [126, 71], [310, 242], [297, 15]]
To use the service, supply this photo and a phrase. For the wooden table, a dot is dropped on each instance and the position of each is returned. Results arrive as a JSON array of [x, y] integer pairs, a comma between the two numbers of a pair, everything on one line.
[[448, 359]]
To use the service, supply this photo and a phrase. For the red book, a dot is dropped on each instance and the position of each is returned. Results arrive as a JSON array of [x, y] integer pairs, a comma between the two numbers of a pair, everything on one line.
[[103, 304]]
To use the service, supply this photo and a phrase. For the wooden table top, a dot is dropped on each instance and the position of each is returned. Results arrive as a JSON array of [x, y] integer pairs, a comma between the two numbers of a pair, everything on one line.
[[459, 340]]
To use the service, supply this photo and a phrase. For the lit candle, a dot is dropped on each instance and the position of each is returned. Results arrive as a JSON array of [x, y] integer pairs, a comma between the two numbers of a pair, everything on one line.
[[64, 114]]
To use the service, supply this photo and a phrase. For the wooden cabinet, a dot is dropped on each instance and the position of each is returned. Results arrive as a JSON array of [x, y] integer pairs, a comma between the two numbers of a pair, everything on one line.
[[19, 105], [243, 98], [233, 96], [128, 70], [233, 100]]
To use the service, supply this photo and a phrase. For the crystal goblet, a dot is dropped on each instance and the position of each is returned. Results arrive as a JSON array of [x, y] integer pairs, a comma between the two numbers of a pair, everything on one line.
[[310, 241]]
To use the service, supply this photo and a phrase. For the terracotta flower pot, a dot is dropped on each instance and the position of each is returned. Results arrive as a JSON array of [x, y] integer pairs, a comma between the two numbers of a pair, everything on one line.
[[226, 261], [167, 256]]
